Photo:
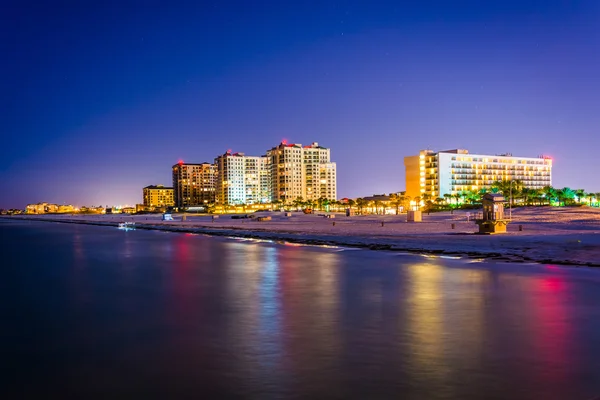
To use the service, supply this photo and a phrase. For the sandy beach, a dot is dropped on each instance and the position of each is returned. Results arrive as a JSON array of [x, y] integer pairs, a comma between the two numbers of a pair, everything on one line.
[[549, 235]]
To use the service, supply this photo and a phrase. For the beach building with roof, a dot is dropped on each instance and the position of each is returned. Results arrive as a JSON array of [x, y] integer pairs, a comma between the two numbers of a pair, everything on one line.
[[454, 171]]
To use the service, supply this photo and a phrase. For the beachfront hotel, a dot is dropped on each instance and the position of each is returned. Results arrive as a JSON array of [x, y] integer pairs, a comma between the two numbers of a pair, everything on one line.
[[454, 171], [301, 172], [193, 184], [242, 179], [158, 196], [287, 172]]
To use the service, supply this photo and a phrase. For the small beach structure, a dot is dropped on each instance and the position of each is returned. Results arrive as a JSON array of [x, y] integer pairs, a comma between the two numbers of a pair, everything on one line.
[[414, 216], [492, 219]]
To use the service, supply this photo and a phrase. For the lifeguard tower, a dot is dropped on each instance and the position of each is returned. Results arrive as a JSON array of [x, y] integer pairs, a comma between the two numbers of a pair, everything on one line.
[[492, 220]]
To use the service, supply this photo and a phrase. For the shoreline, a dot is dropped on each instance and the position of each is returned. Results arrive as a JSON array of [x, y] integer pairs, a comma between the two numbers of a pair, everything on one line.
[[489, 247]]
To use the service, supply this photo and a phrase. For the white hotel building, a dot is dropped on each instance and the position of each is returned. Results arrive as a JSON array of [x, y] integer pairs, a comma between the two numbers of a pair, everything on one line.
[[454, 171], [287, 172], [242, 179]]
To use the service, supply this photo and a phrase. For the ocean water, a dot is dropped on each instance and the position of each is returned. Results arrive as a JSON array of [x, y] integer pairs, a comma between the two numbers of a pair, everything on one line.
[[95, 312]]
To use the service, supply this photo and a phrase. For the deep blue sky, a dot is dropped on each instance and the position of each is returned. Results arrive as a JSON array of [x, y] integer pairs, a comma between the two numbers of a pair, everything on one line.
[[99, 98]]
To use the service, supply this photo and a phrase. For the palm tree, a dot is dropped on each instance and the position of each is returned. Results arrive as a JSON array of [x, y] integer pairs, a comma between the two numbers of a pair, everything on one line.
[[566, 195], [579, 194], [509, 188], [369, 206], [497, 186], [417, 203], [483, 191], [456, 197], [472, 196], [378, 204], [320, 202], [361, 203], [550, 194], [439, 202], [351, 204], [275, 204], [532, 196], [526, 193], [333, 205], [448, 198], [297, 203], [210, 208], [397, 199]]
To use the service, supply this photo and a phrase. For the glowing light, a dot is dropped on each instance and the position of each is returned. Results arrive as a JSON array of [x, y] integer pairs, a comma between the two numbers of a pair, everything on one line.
[[180, 162]]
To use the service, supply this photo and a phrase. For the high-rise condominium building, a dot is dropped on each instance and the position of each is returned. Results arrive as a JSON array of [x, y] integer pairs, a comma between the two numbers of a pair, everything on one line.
[[454, 171], [158, 196], [257, 180], [194, 184], [242, 179], [302, 172]]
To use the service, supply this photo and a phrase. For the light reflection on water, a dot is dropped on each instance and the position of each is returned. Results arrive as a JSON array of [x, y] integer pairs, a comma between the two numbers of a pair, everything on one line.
[[148, 313]]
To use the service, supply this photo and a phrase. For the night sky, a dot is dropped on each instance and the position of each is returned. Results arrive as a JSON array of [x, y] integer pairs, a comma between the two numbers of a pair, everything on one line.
[[100, 99]]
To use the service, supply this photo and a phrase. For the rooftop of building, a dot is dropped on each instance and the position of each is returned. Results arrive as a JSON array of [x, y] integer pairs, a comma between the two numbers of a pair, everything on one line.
[[464, 151], [158, 187], [313, 145], [377, 197], [181, 163]]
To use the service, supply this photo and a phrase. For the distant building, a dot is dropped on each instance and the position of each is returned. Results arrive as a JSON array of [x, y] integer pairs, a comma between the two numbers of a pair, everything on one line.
[[128, 210], [158, 196], [41, 208], [96, 210], [52, 208], [66, 208], [301, 172], [454, 171], [193, 184], [242, 179]]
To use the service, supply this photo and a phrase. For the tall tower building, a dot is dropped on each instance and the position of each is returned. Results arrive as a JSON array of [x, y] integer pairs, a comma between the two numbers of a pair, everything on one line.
[[194, 184], [319, 173], [287, 172], [242, 179], [257, 180], [454, 171], [301, 172]]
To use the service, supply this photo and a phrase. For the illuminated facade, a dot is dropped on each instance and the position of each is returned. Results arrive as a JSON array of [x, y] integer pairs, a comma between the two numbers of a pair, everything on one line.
[[48, 208], [455, 171], [319, 173], [158, 196], [65, 208], [257, 180], [242, 179], [39, 208], [301, 172], [193, 184]]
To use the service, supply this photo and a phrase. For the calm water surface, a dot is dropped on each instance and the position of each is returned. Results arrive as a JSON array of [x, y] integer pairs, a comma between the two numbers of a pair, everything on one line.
[[94, 312]]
